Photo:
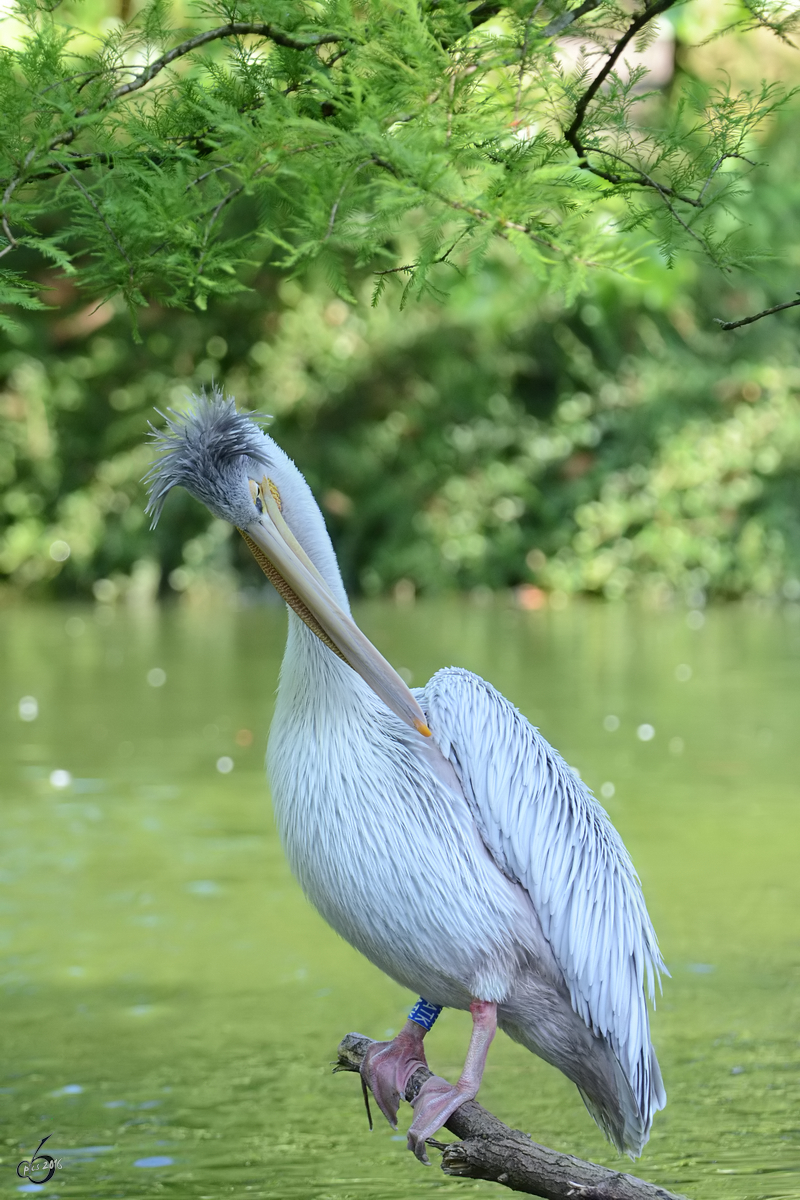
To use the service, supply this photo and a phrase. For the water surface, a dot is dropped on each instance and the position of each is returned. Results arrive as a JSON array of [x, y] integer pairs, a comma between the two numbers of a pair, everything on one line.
[[171, 1004]]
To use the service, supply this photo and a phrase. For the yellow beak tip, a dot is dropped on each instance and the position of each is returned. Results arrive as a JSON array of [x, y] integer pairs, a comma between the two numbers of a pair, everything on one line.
[[422, 728]]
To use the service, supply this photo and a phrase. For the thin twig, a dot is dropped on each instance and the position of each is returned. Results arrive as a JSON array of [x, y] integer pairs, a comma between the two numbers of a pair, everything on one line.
[[451, 92], [338, 199], [559, 24], [334, 210], [225, 200], [233, 29], [208, 174], [700, 240], [409, 267], [717, 166], [502, 224], [85, 75], [767, 312], [231, 195], [99, 212], [12, 241], [334, 58], [641, 178], [668, 194], [7, 194], [523, 59], [571, 134]]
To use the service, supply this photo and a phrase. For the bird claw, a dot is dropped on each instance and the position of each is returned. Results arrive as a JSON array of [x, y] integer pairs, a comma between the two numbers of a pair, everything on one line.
[[433, 1105], [365, 1091], [387, 1068]]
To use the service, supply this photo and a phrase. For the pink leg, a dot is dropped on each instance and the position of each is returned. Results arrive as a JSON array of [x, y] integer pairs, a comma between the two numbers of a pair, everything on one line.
[[438, 1099], [388, 1066]]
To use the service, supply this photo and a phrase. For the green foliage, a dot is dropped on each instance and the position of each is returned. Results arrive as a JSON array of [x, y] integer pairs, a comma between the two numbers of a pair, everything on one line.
[[606, 447], [163, 163], [517, 435]]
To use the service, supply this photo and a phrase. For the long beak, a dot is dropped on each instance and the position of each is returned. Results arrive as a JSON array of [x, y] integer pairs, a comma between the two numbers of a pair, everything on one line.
[[286, 564]]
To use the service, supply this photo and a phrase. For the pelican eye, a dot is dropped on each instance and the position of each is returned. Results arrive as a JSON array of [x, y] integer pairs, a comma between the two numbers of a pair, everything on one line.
[[255, 492]]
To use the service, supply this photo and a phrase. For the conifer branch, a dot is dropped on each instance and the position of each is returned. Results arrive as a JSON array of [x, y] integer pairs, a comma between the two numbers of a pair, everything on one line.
[[572, 134], [235, 29], [504, 226], [638, 177], [484, 12], [88, 195], [722, 158], [559, 24], [459, 131], [11, 187]]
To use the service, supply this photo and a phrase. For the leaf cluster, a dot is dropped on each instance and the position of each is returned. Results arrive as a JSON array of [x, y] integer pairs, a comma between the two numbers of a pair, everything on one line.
[[502, 440], [396, 137]]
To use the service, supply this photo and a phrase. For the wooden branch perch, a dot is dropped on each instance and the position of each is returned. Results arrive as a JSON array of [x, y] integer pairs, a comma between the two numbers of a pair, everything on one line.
[[488, 1149]]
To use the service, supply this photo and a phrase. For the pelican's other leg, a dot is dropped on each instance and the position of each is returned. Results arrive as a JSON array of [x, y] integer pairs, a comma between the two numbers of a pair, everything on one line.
[[438, 1099], [388, 1066]]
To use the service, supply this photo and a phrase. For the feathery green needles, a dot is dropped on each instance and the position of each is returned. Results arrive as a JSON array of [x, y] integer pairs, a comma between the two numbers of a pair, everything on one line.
[[157, 161]]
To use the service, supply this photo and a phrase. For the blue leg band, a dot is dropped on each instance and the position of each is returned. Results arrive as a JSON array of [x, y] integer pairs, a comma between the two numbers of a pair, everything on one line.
[[424, 1013]]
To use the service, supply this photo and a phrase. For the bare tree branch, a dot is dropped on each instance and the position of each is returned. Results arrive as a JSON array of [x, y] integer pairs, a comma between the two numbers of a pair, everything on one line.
[[767, 312], [488, 1149]]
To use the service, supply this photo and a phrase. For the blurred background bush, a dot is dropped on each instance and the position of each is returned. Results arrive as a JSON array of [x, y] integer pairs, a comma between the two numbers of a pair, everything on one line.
[[503, 440]]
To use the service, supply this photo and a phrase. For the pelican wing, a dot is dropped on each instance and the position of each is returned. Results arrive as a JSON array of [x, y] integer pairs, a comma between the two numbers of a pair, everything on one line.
[[546, 831]]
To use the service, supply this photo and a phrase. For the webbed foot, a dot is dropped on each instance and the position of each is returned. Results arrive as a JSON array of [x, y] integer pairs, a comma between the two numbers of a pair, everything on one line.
[[388, 1066], [435, 1102]]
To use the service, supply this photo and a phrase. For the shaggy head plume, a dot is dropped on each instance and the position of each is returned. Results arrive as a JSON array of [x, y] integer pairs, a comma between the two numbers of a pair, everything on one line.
[[208, 450]]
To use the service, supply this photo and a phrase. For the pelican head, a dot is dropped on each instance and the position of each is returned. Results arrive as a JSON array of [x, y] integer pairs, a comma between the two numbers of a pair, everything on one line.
[[225, 460]]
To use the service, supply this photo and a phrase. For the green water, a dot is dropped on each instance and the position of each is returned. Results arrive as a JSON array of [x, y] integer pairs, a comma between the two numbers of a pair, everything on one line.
[[168, 995]]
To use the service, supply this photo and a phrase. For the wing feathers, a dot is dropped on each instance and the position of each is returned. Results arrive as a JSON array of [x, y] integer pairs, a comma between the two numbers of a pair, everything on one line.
[[546, 831]]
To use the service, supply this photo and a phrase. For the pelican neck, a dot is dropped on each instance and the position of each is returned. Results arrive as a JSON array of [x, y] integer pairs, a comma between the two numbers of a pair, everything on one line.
[[315, 680]]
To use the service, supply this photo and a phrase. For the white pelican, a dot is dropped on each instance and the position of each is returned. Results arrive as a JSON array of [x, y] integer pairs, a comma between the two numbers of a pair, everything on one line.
[[435, 830]]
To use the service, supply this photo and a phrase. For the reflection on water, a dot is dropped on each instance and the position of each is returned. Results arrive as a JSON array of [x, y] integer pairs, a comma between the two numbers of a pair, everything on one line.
[[171, 1004]]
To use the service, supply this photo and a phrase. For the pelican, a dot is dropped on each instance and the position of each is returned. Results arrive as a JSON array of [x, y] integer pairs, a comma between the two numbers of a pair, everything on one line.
[[435, 829]]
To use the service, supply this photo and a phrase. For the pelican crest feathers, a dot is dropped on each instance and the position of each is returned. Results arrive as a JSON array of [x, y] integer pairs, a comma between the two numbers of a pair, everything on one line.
[[204, 450]]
